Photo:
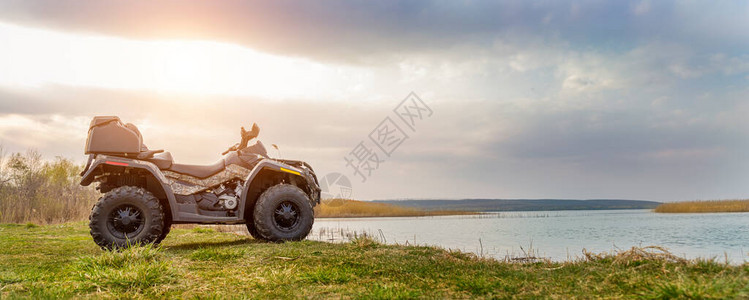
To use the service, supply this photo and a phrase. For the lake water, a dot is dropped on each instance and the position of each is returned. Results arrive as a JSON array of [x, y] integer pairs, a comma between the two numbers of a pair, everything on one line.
[[558, 235]]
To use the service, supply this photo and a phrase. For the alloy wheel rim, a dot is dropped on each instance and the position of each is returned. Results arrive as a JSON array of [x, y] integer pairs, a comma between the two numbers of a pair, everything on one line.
[[286, 216], [126, 221]]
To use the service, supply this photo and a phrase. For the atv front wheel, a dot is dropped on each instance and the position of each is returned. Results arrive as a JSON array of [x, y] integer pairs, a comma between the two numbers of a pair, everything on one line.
[[283, 213], [126, 216], [253, 232]]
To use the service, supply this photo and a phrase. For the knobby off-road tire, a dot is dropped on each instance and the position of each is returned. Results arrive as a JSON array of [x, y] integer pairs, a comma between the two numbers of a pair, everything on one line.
[[126, 216], [164, 231], [253, 232], [250, 223], [283, 213]]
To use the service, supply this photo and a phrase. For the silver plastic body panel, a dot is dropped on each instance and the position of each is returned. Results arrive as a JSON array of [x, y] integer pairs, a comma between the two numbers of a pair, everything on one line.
[[88, 177], [179, 216]]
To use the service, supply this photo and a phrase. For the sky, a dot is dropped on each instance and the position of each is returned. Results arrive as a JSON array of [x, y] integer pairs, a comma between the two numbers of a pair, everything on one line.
[[526, 99]]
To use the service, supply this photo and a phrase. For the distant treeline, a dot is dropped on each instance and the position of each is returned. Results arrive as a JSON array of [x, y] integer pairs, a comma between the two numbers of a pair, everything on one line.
[[523, 204], [42, 192]]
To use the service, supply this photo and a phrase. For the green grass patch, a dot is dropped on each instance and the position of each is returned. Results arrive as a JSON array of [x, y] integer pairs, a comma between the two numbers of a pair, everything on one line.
[[136, 269], [61, 261], [202, 230], [216, 254], [328, 276]]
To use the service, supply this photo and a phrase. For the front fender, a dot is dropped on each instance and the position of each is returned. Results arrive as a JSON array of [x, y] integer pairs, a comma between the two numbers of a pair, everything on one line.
[[273, 166], [276, 166]]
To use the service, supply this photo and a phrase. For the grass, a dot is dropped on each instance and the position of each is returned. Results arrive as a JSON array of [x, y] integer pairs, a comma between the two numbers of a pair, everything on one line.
[[134, 270], [704, 206], [61, 261], [345, 208]]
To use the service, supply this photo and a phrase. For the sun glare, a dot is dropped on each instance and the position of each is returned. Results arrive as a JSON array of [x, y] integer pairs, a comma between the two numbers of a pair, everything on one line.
[[34, 58]]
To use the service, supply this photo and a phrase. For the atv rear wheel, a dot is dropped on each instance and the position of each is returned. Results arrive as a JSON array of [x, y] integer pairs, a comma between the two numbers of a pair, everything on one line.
[[283, 213], [126, 216], [164, 231]]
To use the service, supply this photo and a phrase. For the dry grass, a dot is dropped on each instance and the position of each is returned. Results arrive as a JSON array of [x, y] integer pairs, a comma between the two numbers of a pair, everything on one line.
[[704, 206], [341, 208], [35, 191], [636, 254]]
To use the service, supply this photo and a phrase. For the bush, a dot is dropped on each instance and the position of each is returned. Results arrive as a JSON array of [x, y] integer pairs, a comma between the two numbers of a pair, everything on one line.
[[42, 192]]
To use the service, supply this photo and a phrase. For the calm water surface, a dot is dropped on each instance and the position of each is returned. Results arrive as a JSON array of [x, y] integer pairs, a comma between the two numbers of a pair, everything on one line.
[[559, 235]]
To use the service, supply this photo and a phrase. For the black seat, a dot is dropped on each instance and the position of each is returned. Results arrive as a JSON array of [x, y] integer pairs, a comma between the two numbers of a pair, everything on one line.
[[162, 160], [198, 171]]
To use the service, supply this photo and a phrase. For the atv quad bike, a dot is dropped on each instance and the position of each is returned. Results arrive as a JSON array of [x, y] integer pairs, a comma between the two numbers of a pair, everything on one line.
[[145, 191]]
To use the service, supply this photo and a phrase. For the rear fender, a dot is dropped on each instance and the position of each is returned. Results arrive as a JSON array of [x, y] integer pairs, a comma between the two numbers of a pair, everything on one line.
[[97, 168]]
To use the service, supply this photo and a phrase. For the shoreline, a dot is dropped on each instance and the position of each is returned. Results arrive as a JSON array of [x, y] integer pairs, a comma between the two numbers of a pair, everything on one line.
[[348, 208], [74, 267]]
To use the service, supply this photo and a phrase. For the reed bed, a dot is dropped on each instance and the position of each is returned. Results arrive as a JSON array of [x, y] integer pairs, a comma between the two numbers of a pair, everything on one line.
[[711, 206], [346, 208]]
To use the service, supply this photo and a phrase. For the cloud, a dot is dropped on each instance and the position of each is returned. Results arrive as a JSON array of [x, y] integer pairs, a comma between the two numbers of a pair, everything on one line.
[[578, 99], [357, 31], [35, 57], [641, 8], [487, 148]]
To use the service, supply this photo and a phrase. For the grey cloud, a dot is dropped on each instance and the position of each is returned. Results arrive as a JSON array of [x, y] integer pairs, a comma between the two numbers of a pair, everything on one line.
[[356, 30], [590, 135]]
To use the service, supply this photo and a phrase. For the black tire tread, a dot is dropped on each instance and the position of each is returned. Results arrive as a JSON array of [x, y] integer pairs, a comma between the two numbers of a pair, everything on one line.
[[164, 232], [151, 202], [264, 229], [250, 223], [253, 232]]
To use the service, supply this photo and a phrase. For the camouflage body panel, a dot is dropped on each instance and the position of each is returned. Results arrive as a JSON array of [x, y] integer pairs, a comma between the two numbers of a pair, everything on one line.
[[187, 185]]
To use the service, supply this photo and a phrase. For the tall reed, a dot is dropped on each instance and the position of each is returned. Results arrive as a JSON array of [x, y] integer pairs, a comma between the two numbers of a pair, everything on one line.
[[704, 206], [344, 208]]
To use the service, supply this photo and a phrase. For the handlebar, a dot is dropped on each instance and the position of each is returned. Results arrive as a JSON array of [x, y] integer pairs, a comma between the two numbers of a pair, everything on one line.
[[246, 137], [232, 148]]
